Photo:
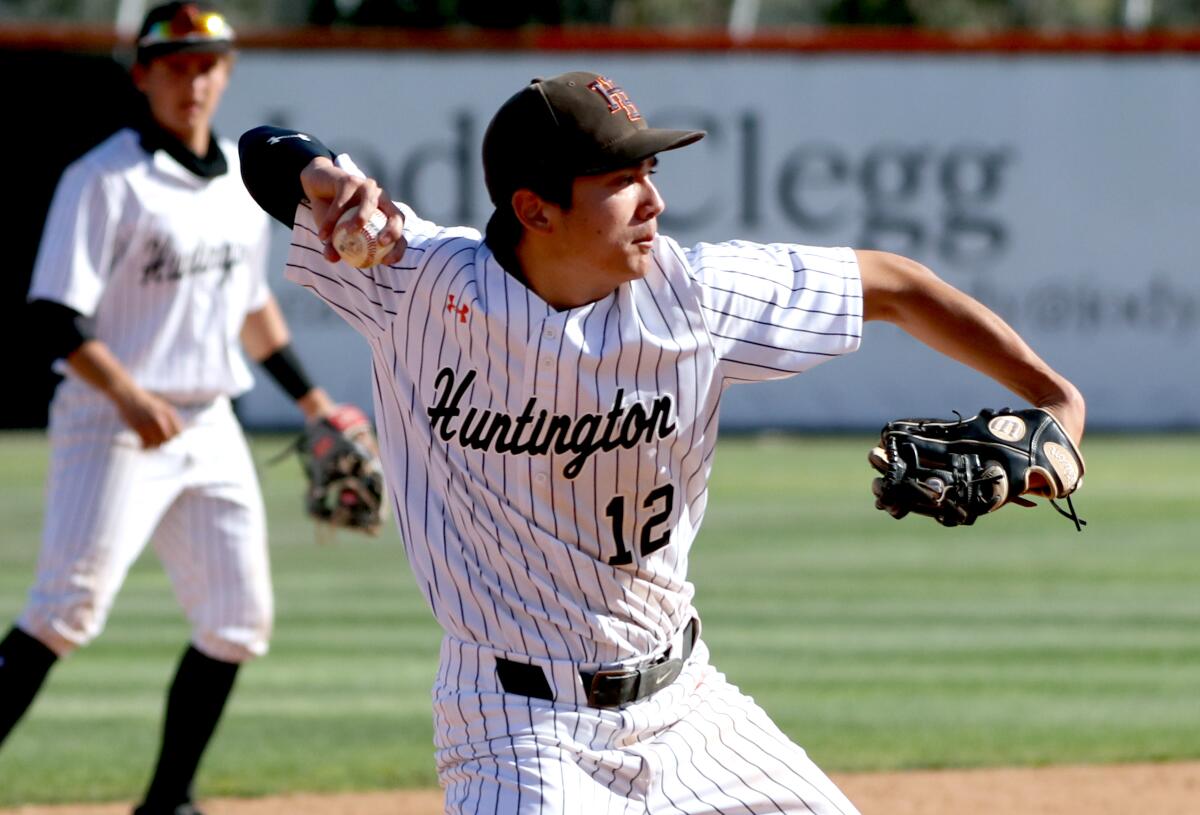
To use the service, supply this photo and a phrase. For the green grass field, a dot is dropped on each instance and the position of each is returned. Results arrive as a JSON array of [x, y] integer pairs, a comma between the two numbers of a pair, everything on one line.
[[874, 643]]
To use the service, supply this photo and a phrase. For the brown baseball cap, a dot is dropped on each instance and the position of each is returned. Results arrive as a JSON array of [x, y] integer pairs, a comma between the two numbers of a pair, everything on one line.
[[574, 124], [179, 26]]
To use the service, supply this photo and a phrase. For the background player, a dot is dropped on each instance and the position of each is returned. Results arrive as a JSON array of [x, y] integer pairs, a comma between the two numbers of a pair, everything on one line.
[[151, 268], [548, 406]]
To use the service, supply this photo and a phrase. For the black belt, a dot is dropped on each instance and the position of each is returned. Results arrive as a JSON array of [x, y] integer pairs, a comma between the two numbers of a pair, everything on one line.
[[606, 688]]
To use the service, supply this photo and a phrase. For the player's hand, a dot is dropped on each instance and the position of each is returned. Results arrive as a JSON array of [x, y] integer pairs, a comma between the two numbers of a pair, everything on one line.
[[332, 190], [151, 417], [316, 404]]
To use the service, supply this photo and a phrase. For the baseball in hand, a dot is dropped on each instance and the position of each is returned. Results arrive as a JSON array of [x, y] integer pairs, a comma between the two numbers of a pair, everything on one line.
[[360, 247]]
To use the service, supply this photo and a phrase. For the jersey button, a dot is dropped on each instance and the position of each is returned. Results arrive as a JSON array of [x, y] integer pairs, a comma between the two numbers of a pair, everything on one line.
[[540, 478], [550, 333], [547, 362]]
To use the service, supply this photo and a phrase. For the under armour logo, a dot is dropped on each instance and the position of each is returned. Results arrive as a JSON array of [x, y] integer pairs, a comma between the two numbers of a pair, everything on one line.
[[615, 97], [278, 139], [462, 311]]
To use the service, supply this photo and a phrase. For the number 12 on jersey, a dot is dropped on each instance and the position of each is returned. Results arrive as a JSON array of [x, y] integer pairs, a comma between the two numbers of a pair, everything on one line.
[[648, 543]]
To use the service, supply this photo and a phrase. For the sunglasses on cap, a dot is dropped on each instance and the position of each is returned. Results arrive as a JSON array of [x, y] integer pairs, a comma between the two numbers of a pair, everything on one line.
[[187, 25]]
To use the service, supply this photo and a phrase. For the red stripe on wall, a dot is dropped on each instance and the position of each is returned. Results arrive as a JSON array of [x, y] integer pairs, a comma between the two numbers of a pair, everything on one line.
[[797, 40]]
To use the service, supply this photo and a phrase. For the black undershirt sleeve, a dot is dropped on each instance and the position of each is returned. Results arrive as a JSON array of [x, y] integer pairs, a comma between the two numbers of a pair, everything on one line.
[[272, 158], [62, 329]]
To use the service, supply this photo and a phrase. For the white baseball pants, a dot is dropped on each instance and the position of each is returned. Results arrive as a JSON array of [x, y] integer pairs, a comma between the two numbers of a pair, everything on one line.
[[698, 746], [196, 497]]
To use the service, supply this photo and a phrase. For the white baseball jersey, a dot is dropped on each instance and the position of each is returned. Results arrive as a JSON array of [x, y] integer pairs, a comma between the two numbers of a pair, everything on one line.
[[550, 468], [167, 263]]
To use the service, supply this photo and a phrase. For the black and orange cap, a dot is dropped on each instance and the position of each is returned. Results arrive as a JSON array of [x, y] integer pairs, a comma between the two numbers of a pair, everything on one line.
[[574, 124]]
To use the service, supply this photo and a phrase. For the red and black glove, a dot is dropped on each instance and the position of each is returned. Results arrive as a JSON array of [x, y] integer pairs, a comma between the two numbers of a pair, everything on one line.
[[340, 457]]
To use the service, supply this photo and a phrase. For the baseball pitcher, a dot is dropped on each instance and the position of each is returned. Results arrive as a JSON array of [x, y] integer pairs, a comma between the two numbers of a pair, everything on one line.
[[548, 397]]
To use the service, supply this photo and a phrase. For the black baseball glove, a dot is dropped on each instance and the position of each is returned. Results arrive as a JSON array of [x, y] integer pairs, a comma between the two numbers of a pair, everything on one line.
[[957, 470], [340, 458]]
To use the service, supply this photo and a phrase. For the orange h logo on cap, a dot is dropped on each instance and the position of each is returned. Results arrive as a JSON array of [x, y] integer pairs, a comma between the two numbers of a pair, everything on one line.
[[615, 97]]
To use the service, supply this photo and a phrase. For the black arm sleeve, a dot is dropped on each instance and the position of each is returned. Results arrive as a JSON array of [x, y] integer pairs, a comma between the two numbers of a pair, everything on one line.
[[61, 328], [285, 368], [272, 158]]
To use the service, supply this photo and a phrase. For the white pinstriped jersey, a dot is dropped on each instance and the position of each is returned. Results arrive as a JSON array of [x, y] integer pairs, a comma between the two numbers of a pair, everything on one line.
[[166, 262], [550, 468]]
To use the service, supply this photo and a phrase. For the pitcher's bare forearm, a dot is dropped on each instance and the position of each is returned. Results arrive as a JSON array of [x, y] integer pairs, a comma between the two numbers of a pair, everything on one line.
[[905, 293]]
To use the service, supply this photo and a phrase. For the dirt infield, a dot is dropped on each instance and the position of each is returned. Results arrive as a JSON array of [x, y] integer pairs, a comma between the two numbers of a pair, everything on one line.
[[1162, 789]]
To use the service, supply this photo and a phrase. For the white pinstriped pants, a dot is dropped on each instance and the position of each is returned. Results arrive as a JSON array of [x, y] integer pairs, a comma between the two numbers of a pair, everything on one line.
[[698, 746], [196, 498]]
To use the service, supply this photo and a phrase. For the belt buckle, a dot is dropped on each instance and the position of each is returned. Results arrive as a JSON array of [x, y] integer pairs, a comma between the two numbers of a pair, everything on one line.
[[618, 681]]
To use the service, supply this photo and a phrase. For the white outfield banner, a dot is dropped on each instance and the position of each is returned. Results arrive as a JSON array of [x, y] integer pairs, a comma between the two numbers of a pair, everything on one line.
[[1063, 191]]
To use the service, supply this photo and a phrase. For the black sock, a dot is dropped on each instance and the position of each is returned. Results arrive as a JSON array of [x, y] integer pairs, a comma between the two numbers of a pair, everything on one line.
[[24, 663], [194, 705]]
